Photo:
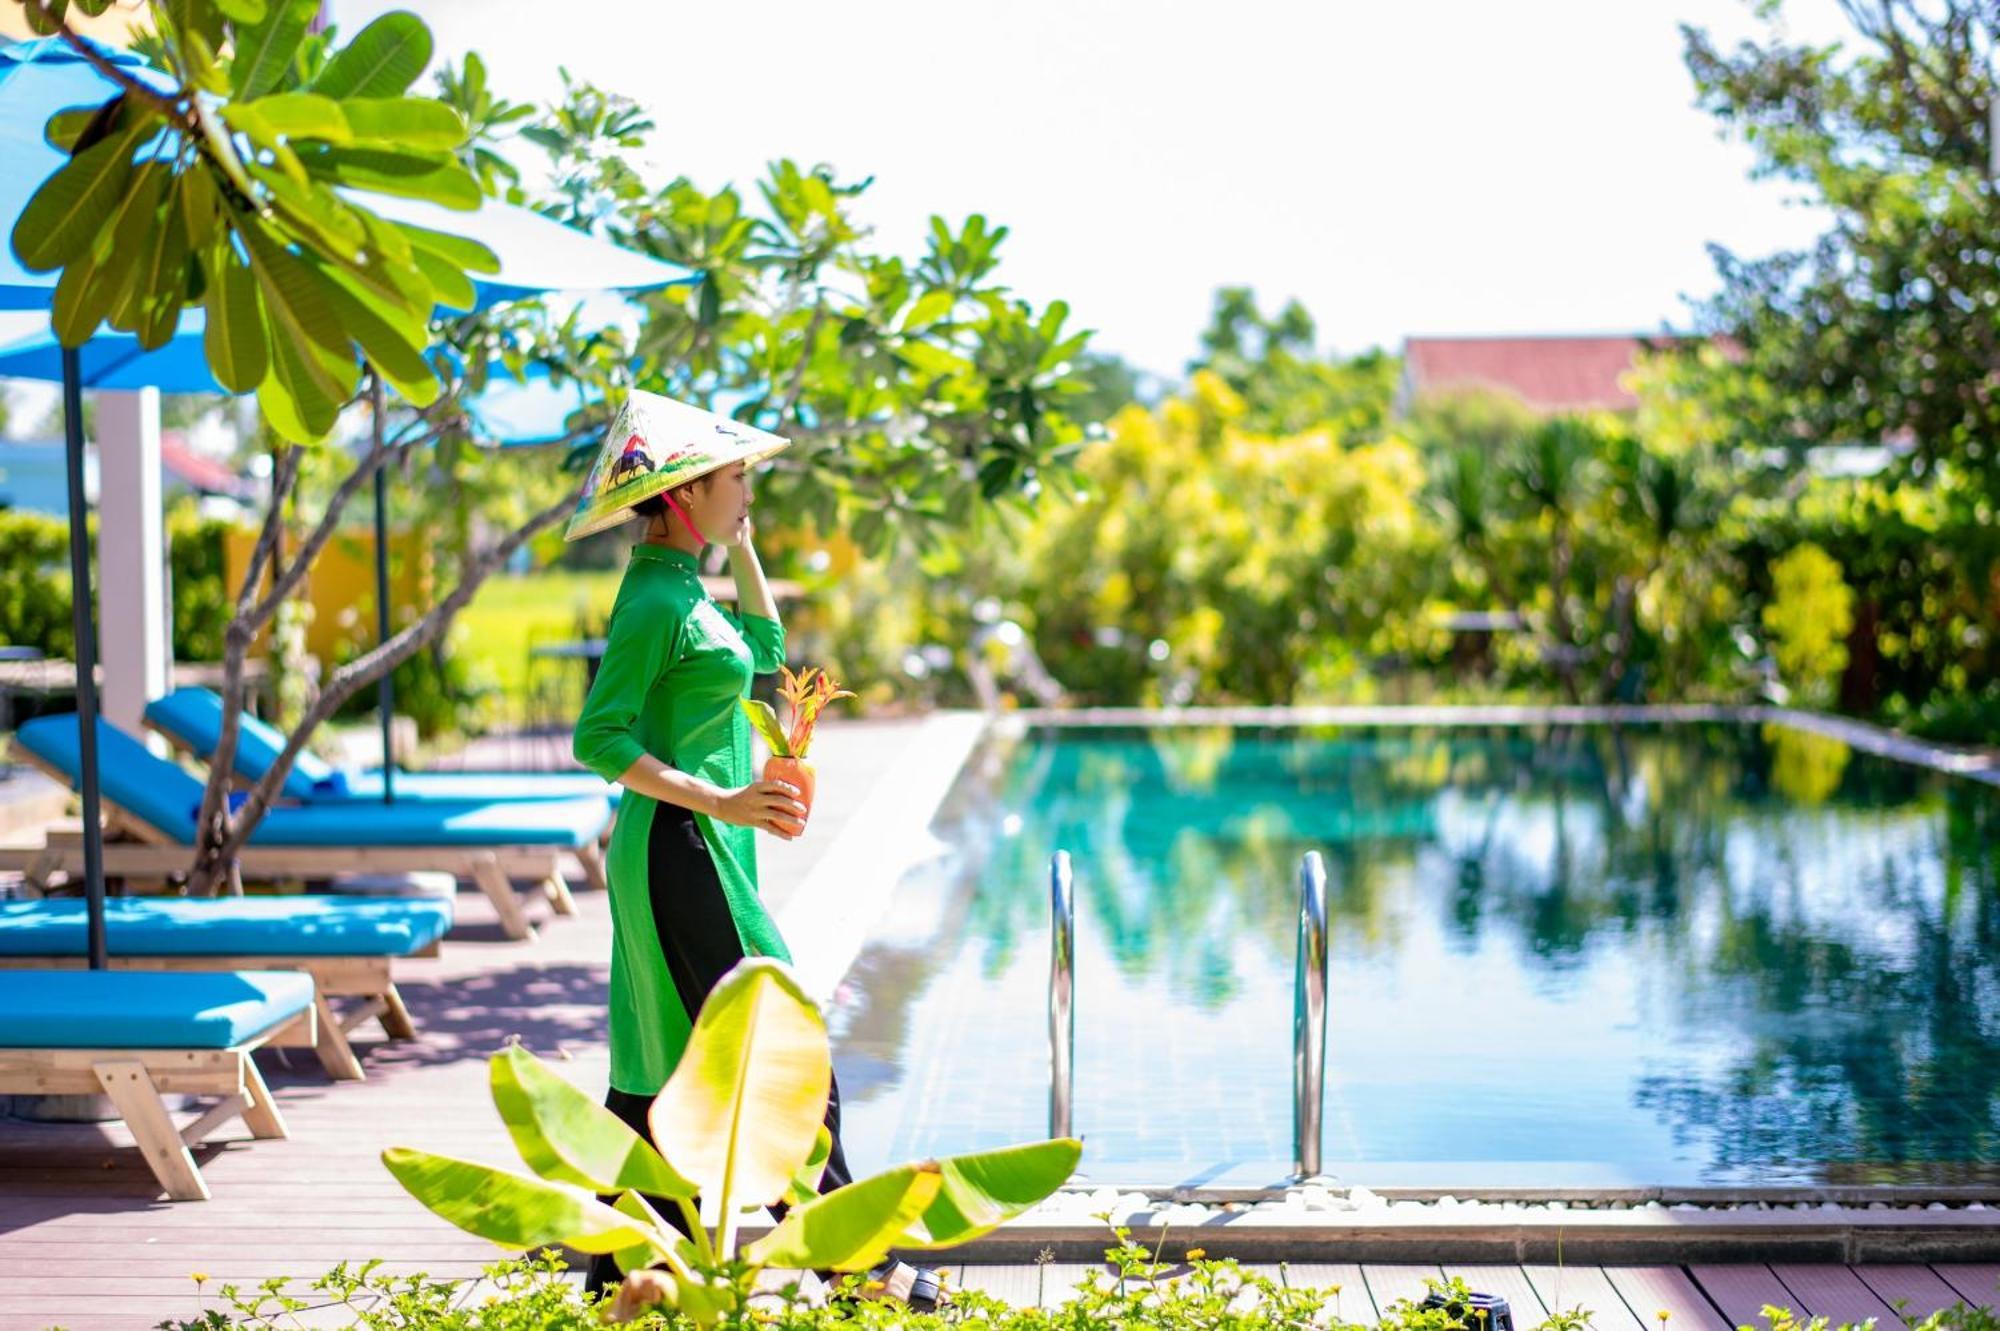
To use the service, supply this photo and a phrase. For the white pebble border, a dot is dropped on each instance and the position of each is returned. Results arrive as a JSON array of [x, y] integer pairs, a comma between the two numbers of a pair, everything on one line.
[[1079, 1206]]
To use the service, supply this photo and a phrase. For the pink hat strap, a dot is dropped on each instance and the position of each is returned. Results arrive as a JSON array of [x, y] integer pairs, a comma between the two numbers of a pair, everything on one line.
[[682, 514]]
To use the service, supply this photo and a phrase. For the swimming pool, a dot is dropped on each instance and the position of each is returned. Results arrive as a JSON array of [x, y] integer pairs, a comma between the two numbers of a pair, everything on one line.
[[1677, 954]]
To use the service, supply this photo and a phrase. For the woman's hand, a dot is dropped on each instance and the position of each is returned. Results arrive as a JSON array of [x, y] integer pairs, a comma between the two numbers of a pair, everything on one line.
[[771, 805]]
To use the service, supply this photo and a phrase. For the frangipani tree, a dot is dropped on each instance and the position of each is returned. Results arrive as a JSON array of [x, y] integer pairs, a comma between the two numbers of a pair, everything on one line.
[[739, 1125]]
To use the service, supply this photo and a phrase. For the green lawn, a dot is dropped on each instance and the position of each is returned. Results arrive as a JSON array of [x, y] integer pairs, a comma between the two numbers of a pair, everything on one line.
[[514, 613]]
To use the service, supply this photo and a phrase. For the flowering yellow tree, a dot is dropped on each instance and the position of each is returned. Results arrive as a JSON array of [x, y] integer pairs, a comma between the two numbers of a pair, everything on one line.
[[1204, 561]]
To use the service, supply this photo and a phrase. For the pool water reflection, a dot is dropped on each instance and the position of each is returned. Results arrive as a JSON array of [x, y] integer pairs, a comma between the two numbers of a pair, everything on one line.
[[1655, 955]]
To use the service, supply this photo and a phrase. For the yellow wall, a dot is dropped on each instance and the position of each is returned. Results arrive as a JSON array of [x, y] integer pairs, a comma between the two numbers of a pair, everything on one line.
[[341, 587]]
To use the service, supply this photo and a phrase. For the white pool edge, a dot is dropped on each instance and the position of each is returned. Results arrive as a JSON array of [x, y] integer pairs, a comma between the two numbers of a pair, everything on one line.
[[1980, 765], [829, 916]]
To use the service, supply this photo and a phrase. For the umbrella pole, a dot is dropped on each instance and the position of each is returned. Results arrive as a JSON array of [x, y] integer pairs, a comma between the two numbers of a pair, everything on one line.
[[385, 688], [84, 624]]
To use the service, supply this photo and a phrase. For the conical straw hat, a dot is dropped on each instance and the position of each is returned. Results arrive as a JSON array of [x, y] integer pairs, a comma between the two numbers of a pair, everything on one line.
[[655, 444]]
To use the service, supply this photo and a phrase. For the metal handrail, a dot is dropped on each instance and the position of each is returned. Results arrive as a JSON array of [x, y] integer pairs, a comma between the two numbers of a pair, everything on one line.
[[1309, 1017], [1062, 990]]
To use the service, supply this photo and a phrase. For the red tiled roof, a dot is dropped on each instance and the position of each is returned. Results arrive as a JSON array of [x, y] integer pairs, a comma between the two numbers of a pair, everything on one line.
[[195, 471], [1547, 373]]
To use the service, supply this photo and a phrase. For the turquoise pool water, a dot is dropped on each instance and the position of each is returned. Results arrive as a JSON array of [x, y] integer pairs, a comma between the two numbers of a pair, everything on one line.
[[1681, 954]]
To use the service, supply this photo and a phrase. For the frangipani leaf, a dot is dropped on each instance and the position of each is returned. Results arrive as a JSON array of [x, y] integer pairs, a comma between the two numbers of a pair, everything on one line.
[[65, 215], [161, 279], [237, 352], [851, 1228], [512, 1211], [454, 290], [978, 1192], [467, 254], [130, 228], [566, 1136], [82, 299], [264, 50], [385, 337], [296, 295], [743, 1106], [65, 127], [411, 122], [290, 115], [300, 397], [383, 60], [433, 176]]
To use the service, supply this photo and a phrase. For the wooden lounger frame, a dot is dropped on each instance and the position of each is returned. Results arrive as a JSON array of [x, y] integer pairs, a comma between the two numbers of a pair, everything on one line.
[[146, 852], [363, 977], [134, 1079]]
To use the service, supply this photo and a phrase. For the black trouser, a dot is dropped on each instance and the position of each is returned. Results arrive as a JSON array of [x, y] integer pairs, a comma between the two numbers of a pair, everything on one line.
[[699, 942]]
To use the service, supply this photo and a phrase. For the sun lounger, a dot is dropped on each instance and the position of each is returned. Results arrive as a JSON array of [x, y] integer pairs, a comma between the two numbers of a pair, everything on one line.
[[191, 720], [344, 944], [132, 1035], [155, 804]]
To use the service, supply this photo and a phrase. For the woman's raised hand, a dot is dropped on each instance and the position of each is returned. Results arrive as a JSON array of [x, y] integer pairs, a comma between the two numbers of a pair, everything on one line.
[[771, 805]]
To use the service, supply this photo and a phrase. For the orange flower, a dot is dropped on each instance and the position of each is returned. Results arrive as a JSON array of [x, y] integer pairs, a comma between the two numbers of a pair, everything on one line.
[[808, 693]]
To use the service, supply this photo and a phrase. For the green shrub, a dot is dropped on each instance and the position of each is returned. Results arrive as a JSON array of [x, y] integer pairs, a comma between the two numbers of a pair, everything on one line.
[[1135, 1291], [202, 597], [34, 582]]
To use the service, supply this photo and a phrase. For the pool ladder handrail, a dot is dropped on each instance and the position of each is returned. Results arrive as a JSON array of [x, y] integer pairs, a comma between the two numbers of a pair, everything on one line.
[[1308, 1007], [1309, 1017], [1062, 993]]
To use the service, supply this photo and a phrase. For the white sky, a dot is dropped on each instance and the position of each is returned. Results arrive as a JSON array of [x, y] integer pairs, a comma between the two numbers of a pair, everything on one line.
[[1451, 166]]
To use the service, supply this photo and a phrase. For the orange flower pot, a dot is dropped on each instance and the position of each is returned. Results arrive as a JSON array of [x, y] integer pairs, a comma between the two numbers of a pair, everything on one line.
[[798, 772]]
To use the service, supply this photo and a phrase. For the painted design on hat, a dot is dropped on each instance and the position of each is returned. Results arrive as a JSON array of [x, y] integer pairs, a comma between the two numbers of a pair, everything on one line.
[[631, 463]]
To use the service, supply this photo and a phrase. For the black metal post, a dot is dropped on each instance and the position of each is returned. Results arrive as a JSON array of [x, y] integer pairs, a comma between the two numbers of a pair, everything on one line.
[[84, 624], [385, 688]]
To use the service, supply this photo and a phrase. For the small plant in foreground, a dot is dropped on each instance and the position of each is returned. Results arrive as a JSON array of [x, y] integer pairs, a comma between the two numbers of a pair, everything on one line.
[[738, 1125], [1201, 1294]]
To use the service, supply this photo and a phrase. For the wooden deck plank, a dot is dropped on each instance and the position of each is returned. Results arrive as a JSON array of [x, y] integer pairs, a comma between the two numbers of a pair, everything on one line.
[[1586, 1287], [1025, 1285], [1508, 1282], [1388, 1284], [1833, 1292], [1978, 1283], [1651, 1290], [1743, 1291], [1923, 1290], [1351, 1303]]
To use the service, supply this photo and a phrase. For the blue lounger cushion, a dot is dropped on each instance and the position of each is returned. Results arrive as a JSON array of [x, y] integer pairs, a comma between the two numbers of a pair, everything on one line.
[[168, 799], [193, 716], [292, 926], [145, 1009]]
